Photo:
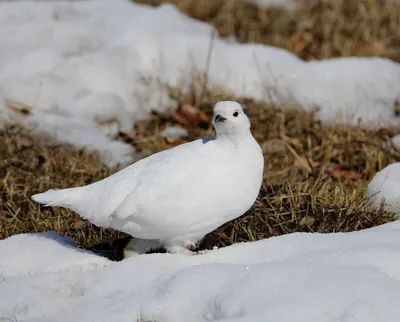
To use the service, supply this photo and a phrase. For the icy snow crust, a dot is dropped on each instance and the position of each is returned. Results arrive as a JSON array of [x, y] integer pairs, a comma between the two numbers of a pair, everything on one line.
[[384, 189], [81, 64], [344, 277]]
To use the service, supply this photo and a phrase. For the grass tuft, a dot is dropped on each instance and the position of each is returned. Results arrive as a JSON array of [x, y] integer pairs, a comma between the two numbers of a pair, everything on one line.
[[292, 198], [315, 29]]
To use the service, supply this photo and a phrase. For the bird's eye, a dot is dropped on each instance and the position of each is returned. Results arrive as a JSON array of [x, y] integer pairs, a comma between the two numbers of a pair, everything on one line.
[[235, 114]]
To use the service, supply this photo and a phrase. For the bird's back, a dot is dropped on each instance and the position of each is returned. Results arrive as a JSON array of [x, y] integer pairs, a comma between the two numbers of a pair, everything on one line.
[[98, 202]]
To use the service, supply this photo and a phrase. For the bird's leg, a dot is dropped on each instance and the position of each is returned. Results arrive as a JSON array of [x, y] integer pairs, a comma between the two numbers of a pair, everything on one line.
[[138, 246], [190, 246], [177, 249], [130, 253], [186, 248]]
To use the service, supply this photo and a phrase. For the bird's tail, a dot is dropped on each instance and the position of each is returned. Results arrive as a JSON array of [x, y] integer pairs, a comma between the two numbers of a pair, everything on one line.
[[68, 198]]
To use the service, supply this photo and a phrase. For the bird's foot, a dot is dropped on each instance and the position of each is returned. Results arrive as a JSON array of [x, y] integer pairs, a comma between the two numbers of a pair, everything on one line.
[[130, 253], [175, 249], [191, 246], [138, 246]]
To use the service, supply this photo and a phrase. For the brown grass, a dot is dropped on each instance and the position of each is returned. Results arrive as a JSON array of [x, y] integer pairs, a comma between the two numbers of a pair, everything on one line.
[[316, 29], [292, 198]]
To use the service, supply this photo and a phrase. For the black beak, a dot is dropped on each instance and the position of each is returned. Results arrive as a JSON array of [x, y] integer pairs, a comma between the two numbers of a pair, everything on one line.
[[219, 118]]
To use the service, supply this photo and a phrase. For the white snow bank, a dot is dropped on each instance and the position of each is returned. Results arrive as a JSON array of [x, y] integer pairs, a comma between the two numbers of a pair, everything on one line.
[[104, 62], [299, 277], [384, 188], [52, 253], [2, 105], [274, 3], [175, 132], [82, 133]]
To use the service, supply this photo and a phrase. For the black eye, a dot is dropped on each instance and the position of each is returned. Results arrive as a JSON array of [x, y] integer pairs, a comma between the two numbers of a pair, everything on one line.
[[235, 114]]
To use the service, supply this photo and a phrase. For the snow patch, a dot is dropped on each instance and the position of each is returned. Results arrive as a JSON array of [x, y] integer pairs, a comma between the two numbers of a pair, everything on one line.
[[384, 189], [274, 3], [103, 64], [21, 260], [301, 277], [175, 132]]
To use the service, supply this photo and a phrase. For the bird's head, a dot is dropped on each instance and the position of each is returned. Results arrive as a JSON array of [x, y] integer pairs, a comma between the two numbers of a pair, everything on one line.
[[229, 118]]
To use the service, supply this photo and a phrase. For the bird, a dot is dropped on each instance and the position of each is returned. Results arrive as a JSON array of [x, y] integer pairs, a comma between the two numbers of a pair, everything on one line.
[[175, 197]]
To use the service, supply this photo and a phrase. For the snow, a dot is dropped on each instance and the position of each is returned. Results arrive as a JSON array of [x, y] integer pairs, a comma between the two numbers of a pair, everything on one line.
[[274, 3], [343, 277], [175, 132], [384, 189], [97, 66], [89, 69]]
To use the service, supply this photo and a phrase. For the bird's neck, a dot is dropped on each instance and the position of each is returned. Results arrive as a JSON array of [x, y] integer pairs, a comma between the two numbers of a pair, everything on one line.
[[236, 138]]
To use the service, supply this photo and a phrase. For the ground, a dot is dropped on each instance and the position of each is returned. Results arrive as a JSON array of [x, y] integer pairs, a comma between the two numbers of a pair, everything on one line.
[[315, 175]]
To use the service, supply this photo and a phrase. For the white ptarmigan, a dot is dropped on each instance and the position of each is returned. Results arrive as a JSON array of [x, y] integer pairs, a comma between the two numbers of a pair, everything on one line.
[[176, 196]]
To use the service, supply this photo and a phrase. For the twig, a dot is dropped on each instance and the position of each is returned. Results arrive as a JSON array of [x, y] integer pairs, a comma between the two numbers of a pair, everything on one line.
[[208, 63]]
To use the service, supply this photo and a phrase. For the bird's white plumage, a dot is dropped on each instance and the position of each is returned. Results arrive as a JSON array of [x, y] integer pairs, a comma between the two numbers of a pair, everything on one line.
[[178, 195]]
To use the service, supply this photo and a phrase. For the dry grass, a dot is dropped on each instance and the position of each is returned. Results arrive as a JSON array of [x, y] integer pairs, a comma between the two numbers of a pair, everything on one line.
[[316, 29], [27, 167], [292, 198]]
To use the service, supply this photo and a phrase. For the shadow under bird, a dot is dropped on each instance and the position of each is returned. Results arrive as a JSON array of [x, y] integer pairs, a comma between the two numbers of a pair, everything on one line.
[[175, 197]]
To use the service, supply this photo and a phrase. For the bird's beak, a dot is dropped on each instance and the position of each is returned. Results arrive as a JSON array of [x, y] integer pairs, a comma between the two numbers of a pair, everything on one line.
[[219, 118]]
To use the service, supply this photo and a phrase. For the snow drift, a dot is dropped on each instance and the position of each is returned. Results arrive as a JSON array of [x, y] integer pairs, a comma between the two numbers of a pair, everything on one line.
[[91, 68], [343, 277]]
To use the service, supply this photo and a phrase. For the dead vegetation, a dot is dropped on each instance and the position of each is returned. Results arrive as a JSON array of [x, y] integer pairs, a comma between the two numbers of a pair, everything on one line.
[[315, 176], [298, 194], [315, 29]]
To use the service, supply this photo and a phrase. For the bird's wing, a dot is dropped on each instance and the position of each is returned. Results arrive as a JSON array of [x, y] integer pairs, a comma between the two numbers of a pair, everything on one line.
[[101, 201], [97, 202], [168, 178]]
